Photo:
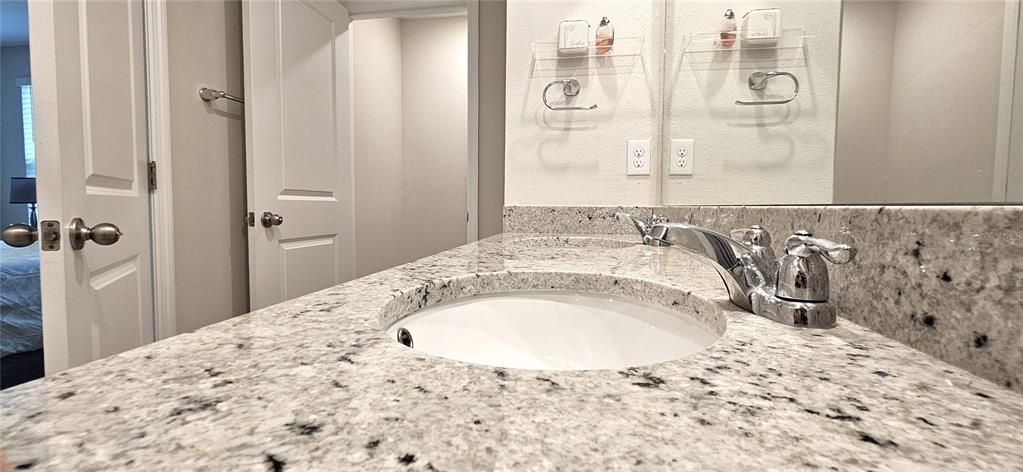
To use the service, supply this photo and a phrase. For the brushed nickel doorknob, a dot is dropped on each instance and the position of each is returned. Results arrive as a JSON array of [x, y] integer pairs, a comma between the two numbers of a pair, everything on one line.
[[103, 234], [268, 219], [20, 235]]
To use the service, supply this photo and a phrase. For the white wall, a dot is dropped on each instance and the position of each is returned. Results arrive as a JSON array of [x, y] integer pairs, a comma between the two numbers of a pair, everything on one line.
[[777, 153], [410, 89], [208, 155], [578, 157]]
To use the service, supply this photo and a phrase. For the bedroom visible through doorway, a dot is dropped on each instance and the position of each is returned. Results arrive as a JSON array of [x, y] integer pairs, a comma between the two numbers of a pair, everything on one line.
[[21, 326]]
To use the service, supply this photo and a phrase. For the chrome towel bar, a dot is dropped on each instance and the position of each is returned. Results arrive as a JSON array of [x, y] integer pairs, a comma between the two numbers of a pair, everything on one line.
[[758, 81], [208, 95], [570, 87]]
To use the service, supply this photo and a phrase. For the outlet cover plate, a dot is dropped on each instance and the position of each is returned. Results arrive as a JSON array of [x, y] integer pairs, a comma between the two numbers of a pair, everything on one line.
[[637, 157], [681, 157]]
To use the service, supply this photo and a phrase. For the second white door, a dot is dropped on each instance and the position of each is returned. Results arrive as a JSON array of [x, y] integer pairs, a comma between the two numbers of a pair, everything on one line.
[[298, 147]]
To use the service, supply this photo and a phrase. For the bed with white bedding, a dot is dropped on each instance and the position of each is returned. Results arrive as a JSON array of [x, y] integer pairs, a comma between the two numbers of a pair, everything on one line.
[[21, 315]]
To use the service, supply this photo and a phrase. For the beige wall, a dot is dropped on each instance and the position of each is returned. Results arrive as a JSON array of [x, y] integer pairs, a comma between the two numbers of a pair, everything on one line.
[[493, 17], [578, 157], [377, 91], [864, 100], [919, 101], [409, 83], [207, 145], [434, 95], [944, 101]]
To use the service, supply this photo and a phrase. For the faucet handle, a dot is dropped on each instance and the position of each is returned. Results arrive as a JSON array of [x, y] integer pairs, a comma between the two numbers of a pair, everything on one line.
[[758, 240], [803, 244], [755, 235]]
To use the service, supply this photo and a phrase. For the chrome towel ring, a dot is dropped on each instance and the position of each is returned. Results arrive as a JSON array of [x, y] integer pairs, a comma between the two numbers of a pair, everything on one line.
[[570, 87], [758, 81]]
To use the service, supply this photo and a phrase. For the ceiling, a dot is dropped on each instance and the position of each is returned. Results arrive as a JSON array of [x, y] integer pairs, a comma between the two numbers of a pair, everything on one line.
[[13, 22], [363, 9]]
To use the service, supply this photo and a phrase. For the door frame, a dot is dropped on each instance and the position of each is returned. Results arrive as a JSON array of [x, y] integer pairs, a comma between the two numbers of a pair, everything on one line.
[[1010, 104], [472, 175], [161, 199]]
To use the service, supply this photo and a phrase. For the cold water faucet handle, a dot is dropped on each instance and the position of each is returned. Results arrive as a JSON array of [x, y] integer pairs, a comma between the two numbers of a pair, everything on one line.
[[803, 273], [802, 243]]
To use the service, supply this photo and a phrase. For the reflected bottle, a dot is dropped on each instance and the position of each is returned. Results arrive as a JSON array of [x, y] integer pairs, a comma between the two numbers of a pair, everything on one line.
[[728, 29], [605, 36]]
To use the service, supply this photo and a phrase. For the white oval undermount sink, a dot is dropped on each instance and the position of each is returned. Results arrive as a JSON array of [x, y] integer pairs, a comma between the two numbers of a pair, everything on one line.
[[553, 330]]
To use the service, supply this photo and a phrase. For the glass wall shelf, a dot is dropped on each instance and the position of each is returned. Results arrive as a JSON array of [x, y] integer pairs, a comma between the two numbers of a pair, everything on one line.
[[707, 47], [621, 59], [623, 47]]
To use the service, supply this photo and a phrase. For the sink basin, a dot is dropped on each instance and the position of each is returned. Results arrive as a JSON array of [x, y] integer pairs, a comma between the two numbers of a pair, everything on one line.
[[553, 330]]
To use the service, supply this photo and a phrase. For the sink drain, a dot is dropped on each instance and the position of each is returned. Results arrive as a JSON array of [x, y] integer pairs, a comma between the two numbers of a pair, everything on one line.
[[405, 337]]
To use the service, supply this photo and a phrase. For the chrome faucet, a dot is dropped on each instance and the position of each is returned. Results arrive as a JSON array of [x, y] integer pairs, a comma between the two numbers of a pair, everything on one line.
[[793, 290]]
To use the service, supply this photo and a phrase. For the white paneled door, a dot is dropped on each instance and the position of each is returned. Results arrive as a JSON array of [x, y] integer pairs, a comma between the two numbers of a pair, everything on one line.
[[89, 93], [298, 145]]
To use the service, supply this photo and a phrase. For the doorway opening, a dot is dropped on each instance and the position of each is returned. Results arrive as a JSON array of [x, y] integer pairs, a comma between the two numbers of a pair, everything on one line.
[[410, 92], [21, 322]]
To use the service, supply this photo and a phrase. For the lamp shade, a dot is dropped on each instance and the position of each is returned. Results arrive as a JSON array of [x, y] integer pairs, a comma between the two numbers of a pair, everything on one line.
[[23, 190]]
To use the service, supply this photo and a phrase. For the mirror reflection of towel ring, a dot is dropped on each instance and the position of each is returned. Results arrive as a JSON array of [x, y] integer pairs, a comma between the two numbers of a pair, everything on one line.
[[758, 81], [570, 87]]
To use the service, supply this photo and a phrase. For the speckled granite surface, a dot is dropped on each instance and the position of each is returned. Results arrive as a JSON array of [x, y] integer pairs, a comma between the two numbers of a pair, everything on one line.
[[947, 281], [313, 384]]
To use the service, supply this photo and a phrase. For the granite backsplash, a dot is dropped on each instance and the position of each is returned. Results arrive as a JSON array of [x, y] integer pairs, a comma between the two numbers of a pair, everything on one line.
[[945, 280]]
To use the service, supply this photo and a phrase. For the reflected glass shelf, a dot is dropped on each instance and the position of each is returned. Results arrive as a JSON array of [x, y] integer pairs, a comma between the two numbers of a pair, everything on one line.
[[708, 47]]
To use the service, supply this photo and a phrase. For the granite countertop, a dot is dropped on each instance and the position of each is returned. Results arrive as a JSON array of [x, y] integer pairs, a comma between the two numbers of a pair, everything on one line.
[[314, 384]]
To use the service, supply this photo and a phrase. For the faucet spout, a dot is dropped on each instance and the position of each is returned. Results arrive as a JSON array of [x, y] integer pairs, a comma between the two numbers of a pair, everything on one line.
[[740, 268], [737, 265], [640, 225]]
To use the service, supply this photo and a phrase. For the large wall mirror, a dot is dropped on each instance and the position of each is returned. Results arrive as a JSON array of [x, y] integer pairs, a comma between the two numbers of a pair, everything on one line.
[[851, 102]]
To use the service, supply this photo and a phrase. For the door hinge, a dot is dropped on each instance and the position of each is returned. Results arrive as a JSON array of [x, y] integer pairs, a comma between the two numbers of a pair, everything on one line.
[[152, 176]]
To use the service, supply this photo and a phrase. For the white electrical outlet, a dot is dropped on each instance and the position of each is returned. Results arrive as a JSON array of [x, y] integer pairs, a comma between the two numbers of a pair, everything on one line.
[[637, 157], [681, 157]]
